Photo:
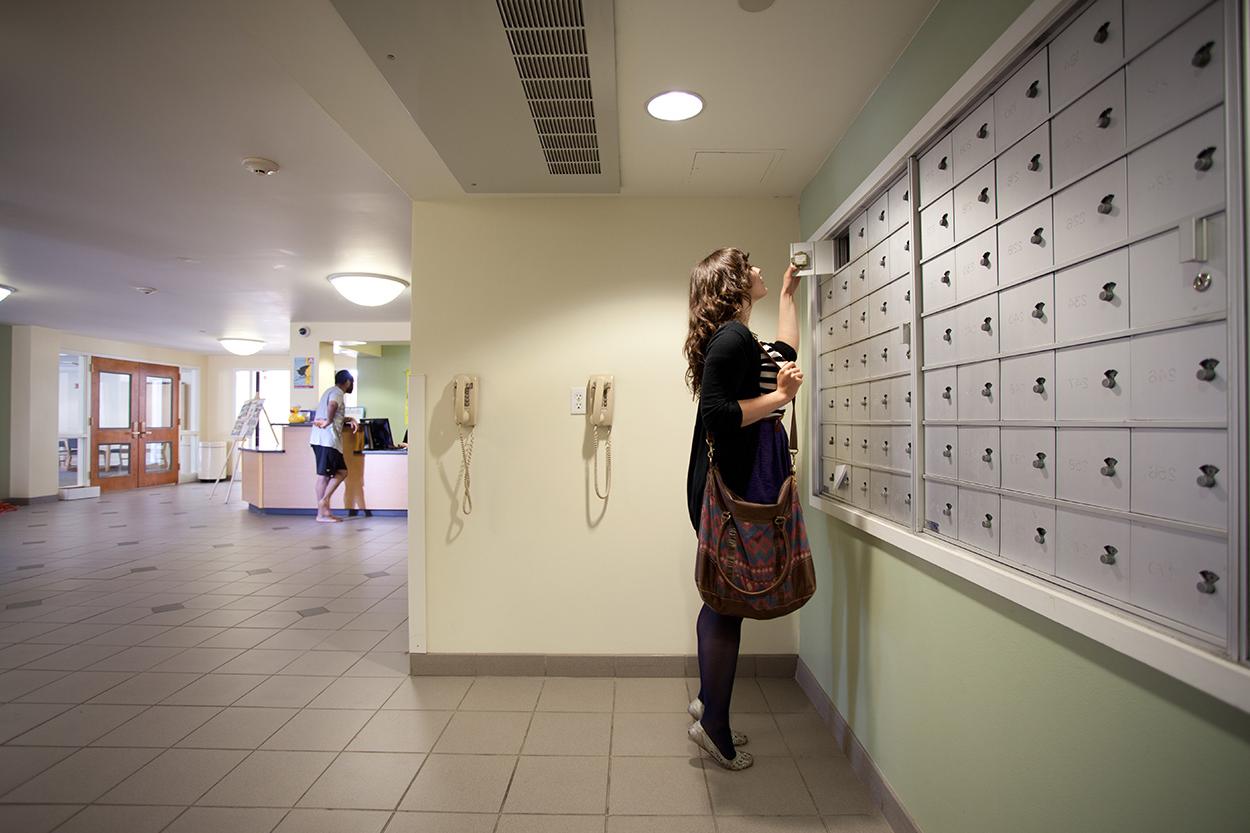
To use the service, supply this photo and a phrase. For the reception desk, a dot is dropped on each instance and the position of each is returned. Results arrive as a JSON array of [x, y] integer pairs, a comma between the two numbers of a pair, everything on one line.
[[281, 482]]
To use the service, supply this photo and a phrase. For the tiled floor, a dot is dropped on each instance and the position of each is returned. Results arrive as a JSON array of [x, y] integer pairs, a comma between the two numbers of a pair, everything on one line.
[[167, 664]]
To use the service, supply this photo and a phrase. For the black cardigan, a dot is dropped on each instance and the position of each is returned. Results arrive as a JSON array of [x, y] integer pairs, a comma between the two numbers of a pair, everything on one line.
[[731, 372]]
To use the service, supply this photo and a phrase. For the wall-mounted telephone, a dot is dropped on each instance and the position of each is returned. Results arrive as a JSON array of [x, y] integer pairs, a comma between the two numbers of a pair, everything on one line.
[[464, 400], [464, 391], [600, 406]]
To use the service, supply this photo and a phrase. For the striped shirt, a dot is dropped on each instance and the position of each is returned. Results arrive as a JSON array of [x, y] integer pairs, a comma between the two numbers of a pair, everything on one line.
[[770, 357]]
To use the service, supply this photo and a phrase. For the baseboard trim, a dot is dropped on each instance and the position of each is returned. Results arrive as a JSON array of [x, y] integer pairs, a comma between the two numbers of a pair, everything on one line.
[[588, 665], [884, 797], [31, 501]]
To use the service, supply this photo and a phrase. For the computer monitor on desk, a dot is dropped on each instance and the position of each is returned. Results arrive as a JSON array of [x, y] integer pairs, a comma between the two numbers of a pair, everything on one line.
[[378, 434]]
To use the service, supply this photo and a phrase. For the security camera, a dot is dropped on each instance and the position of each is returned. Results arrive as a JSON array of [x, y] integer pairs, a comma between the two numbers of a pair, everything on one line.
[[304, 331]]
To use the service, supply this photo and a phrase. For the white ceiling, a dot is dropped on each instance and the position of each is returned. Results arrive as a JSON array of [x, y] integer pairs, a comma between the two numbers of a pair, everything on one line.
[[125, 126], [786, 82], [126, 121]]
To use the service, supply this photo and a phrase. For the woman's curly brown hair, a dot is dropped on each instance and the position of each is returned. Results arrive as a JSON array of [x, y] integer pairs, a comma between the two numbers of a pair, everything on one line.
[[720, 289]]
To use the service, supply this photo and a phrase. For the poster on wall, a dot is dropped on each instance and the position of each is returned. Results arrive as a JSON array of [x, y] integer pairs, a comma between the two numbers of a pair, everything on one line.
[[304, 371]]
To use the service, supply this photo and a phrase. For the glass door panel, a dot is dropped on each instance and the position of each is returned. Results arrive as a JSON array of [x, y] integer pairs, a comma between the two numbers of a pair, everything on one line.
[[159, 411], [158, 458], [115, 400], [113, 460]]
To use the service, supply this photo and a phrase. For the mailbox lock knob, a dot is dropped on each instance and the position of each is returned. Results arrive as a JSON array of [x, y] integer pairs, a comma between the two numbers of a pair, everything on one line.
[[1203, 56], [1207, 479]]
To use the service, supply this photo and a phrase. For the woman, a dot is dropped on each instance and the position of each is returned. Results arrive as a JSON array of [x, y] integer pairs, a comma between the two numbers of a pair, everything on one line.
[[742, 394]]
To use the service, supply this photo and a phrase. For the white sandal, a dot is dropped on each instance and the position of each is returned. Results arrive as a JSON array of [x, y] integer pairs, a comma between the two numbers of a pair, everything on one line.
[[741, 760], [695, 710]]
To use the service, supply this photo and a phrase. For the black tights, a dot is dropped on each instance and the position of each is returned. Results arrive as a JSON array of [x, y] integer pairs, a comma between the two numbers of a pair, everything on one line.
[[719, 637]]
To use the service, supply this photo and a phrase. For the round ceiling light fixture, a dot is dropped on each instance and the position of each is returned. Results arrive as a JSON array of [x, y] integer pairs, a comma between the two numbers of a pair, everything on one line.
[[145, 290], [242, 346], [675, 105], [261, 166], [754, 5], [367, 289], [6, 291]]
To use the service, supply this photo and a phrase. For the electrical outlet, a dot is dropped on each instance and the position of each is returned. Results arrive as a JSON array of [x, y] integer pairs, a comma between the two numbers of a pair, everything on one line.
[[577, 400]]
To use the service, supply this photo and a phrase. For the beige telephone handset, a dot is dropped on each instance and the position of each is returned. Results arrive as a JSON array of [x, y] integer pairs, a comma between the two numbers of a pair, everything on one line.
[[600, 405], [464, 391]]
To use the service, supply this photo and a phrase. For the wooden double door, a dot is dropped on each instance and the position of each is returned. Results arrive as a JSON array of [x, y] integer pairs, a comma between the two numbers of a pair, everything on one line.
[[134, 424]]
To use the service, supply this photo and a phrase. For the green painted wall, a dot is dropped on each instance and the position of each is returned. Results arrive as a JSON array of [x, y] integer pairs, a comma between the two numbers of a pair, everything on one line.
[[982, 716], [382, 386], [6, 403], [954, 35]]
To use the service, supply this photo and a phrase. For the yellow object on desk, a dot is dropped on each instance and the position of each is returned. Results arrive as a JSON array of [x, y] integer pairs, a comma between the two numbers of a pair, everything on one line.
[[296, 418]]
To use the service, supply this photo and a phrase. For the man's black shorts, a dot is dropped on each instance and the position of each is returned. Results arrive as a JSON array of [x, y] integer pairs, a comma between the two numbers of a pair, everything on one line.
[[329, 460]]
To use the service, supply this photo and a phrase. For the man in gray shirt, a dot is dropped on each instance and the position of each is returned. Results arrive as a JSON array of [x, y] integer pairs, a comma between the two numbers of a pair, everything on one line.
[[326, 439]]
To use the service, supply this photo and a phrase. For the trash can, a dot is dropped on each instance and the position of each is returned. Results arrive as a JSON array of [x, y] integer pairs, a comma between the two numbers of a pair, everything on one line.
[[212, 460]]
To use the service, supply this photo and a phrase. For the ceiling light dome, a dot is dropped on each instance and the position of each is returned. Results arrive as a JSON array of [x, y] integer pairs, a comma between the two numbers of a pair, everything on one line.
[[367, 288], [676, 105], [6, 291], [242, 346]]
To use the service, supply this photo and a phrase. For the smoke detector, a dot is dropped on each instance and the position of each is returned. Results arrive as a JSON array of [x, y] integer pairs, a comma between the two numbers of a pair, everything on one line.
[[260, 166], [144, 290]]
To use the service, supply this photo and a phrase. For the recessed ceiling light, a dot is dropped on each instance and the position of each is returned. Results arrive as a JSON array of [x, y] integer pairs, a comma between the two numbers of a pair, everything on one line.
[[189, 260], [755, 5], [676, 105], [6, 291], [242, 346], [144, 290], [367, 288], [261, 166]]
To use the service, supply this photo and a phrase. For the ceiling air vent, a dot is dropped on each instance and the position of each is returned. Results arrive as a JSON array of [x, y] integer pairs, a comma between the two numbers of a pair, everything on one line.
[[548, 42]]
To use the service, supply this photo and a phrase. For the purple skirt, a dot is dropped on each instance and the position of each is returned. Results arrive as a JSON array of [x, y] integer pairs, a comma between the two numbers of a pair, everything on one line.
[[772, 463]]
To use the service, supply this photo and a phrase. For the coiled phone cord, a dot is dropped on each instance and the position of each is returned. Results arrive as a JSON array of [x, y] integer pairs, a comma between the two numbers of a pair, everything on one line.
[[466, 457], [607, 488]]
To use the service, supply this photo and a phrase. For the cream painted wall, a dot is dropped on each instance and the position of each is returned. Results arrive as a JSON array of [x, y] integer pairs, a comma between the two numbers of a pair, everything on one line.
[[33, 401], [33, 412], [552, 291]]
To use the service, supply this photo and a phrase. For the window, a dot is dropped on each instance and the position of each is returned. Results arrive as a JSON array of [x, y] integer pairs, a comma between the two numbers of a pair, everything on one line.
[[274, 386]]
